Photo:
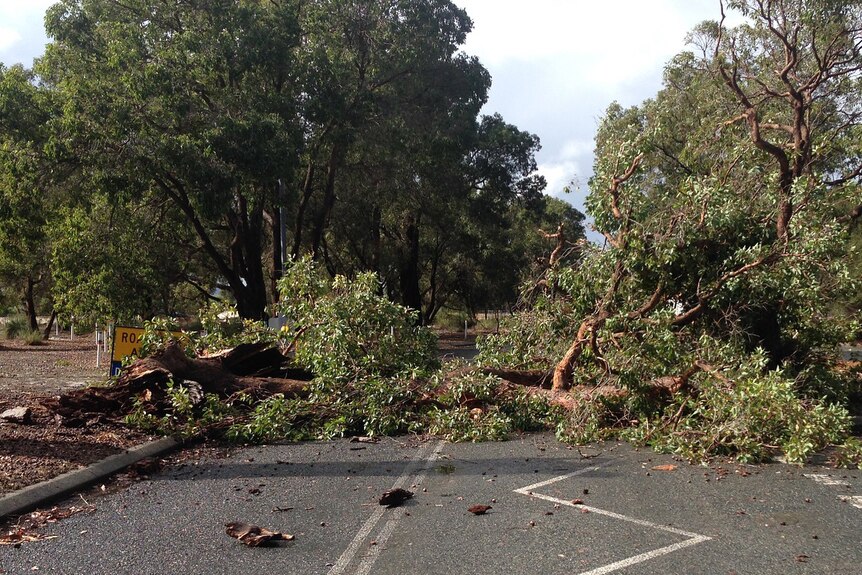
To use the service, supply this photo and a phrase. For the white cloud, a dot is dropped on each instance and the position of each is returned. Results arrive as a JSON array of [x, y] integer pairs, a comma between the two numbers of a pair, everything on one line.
[[607, 41], [557, 64], [22, 30], [8, 38], [577, 149], [569, 168]]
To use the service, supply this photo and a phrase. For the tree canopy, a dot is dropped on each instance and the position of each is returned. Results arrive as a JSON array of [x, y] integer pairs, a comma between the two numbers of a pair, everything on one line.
[[725, 203], [233, 135]]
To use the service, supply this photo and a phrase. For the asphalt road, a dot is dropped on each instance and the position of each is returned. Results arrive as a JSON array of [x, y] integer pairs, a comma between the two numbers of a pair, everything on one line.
[[639, 513]]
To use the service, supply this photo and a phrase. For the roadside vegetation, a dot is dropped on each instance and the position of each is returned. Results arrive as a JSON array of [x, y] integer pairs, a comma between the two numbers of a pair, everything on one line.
[[327, 163]]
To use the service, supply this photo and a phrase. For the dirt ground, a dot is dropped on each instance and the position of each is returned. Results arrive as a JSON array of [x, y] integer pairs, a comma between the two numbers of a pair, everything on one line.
[[42, 448]]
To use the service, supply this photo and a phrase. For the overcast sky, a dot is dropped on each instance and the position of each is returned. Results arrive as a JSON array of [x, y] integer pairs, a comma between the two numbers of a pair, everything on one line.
[[556, 64]]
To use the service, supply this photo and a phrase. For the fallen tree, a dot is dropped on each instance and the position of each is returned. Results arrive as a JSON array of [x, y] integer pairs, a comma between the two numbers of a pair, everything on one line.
[[723, 202], [224, 375]]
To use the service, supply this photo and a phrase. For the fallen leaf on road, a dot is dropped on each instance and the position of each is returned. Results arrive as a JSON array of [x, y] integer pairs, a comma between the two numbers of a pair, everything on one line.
[[254, 536], [802, 558], [19, 536], [667, 467], [479, 509], [364, 439], [577, 501], [27, 528], [395, 497]]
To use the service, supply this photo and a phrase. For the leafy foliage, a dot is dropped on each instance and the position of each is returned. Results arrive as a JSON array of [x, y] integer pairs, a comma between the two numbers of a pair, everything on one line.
[[367, 381], [708, 321], [15, 327], [346, 330]]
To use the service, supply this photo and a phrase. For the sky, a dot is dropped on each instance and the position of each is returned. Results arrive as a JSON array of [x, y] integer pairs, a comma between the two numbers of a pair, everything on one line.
[[556, 64]]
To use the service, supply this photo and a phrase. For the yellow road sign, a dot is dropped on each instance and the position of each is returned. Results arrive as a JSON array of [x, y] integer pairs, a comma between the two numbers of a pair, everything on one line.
[[127, 342]]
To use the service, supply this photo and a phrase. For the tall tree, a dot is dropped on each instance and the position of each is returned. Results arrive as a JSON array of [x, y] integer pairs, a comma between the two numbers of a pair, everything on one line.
[[195, 103], [25, 204], [735, 225], [725, 203]]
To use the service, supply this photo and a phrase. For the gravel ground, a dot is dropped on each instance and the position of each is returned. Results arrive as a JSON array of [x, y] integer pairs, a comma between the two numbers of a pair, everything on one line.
[[42, 448]]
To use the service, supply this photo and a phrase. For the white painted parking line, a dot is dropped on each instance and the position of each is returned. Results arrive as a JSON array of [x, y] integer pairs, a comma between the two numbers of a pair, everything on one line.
[[692, 538], [385, 533], [826, 479], [854, 500], [368, 562]]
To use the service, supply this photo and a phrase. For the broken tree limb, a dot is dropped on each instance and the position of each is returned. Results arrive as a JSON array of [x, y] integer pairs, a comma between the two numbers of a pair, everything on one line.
[[148, 378], [526, 378]]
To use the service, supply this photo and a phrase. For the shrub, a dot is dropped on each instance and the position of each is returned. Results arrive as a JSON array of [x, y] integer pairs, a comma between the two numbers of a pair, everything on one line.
[[34, 337], [346, 330], [16, 327]]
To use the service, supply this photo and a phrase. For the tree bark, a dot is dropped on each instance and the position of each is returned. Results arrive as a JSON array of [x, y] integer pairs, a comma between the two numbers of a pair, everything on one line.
[[147, 379], [322, 219], [307, 190], [411, 295], [249, 285], [47, 333], [30, 304]]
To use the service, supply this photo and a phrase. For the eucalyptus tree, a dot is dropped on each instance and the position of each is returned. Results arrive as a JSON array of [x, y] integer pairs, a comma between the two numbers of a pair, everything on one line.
[[725, 203], [247, 115], [195, 103], [25, 187], [382, 75]]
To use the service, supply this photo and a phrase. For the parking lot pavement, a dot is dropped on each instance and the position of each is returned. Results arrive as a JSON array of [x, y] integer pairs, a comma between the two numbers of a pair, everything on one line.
[[553, 510]]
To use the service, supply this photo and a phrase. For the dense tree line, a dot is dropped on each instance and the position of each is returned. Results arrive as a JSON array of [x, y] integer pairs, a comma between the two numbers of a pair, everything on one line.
[[160, 154]]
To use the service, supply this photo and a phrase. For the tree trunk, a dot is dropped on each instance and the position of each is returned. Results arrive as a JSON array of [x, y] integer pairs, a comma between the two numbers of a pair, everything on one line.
[[249, 285], [277, 267], [30, 304], [411, 295], [47, 333], [322, 219], [148, 377], [307, 189], [376, 243]]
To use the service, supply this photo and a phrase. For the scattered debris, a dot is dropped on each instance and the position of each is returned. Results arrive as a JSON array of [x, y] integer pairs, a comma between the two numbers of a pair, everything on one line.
[[395, 497], [364, 439], [256, 369], [146, 466], [577, 501], [17, 415], [20, 535], [254, 536], [802, 558], [479, 509], [666, 467], [27, 528]]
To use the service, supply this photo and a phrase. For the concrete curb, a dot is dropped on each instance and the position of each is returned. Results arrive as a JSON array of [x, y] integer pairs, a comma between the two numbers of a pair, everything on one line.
[[32, 496]]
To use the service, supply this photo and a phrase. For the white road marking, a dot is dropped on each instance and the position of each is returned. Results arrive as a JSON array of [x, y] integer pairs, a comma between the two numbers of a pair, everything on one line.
[[692, 538], [854, 500], [385, 533], [826, 479], [350, 553]]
